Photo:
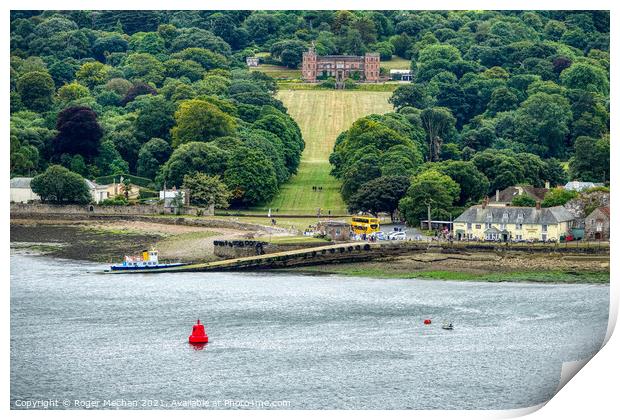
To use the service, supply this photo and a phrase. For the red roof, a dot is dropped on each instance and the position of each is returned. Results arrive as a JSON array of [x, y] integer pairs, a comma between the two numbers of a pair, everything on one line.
[[605, 210]]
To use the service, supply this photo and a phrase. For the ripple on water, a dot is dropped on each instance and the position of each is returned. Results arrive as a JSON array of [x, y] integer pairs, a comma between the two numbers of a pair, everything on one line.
[[318, 342]]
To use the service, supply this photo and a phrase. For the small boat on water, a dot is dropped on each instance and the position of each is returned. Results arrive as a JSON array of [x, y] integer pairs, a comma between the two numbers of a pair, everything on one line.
[[448, 326], [146, 260]]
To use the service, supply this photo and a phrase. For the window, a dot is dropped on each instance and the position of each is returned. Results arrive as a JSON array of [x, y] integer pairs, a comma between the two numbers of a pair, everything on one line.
[[502, 226], [488, 225], [519, 226], [505, 217], [599, 226], [478, 226], [544, 228], [468, 226]]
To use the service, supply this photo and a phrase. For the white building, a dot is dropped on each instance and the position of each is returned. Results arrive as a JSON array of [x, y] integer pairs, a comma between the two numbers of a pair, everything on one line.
[[168, 195], [252, 61], [98, 192], [403, 75], [21, 191]]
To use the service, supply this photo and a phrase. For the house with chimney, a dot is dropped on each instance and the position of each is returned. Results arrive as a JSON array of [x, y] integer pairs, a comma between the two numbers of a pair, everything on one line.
[[504, 197], [495, 223]]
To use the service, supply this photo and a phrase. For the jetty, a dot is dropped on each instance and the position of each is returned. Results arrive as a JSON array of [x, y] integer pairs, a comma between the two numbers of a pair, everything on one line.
[[365, 251]]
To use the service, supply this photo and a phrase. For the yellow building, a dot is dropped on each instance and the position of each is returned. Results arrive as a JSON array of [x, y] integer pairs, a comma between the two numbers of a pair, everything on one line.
[[513, 223]]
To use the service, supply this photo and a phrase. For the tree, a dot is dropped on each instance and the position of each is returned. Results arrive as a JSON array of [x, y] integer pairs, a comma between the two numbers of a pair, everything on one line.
[[155, 117], [198, 120], [287, 130], [78, 132], [502, 170], [586, 77], [251, 177], [109, 44], [144, 67], [473, 184], [193, 157], [152, 155], [126, 187], [35, 90], [72, 92], [430, 192], [591, 160], [60, 186], [523, 200], [541, 123], [379, 195], [93, 73], [363, 170], [208, 59], [205, 190], [412, 94], [289, 52], [437, 122], [558, 197]]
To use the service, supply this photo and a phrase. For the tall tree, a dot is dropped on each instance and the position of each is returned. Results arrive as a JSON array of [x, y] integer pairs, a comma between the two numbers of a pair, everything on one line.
[[78, 132], [205, 190], [36, 90], [379, 195], [198, 120], [437, 122], [430, 192]]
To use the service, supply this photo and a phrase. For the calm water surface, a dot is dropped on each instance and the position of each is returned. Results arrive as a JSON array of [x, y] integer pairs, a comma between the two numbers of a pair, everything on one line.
[[313, 342]]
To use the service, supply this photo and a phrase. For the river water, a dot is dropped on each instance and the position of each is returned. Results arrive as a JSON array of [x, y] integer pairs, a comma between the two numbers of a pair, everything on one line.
[[290, 341]]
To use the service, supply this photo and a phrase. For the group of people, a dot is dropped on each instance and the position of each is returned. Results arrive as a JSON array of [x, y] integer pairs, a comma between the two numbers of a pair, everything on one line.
[[315, 188]]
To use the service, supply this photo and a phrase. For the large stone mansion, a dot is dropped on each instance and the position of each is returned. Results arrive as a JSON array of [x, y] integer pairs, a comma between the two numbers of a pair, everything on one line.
[[363, 68]]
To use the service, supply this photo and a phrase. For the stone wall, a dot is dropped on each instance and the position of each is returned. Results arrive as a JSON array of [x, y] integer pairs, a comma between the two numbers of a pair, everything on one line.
[[94, 209], [581, 206]]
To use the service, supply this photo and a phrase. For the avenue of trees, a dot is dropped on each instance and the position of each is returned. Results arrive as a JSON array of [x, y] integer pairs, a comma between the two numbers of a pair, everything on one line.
[[497, 99], [161, 95]]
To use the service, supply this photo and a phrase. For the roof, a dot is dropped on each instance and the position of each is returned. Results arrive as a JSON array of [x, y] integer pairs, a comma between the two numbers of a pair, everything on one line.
[[604, 210], [507, 194], [581, 185], [333, 223], [525, 215], [93, 185], [20, 182]]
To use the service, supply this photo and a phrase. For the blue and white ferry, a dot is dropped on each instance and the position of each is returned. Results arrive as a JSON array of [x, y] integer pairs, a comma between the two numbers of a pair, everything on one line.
[[146, 260]]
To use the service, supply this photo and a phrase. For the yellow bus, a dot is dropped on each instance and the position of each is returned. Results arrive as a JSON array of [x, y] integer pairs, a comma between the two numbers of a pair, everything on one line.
[[364, 224]]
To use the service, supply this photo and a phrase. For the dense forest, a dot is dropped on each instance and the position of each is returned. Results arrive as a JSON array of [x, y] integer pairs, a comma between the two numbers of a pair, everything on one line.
[[498, 98]]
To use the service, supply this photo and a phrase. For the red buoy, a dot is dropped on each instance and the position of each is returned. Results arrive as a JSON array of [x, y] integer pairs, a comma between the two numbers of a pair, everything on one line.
[[427, 322], [198, 334]]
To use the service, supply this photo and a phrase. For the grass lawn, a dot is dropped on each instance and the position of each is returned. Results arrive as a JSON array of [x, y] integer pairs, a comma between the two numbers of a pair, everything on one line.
[[396, 63], [278, 72], [298, 223], [390, 86], [322, 115]]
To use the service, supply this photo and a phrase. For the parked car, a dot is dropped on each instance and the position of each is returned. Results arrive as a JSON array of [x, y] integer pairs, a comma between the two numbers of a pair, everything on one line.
[[397, 236]]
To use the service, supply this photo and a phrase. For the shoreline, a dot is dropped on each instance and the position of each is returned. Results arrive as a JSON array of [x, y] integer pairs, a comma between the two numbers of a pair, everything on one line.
[[534, 277], [109, 241]]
